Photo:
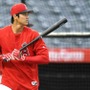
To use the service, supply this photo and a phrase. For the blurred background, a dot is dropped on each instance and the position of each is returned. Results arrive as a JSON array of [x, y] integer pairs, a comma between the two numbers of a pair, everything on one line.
[[73, 35]]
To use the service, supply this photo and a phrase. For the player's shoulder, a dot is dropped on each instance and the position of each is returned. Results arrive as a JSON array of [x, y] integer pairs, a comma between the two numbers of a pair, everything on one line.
[[5, 28], [4, 31], [32, 31]]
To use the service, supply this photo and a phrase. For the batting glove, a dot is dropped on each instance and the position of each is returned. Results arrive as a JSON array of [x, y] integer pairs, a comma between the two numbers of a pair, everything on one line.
[[7, 57], [17, 55]]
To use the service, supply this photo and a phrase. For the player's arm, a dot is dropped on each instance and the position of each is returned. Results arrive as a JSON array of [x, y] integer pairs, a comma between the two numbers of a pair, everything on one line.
[[41, 53], [40, 50]]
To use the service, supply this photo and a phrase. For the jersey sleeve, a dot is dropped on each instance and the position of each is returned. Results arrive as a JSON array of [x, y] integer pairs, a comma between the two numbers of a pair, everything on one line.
[[41, 52]]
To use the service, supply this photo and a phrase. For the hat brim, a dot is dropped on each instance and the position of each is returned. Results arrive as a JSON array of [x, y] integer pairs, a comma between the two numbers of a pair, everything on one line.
[[26, 11]]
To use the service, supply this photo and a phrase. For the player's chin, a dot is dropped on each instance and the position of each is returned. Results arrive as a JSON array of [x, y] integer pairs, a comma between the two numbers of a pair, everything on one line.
[[25, 24]]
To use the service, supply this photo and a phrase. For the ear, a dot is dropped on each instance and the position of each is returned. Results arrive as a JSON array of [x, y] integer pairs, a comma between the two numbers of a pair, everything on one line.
[[15, 17]]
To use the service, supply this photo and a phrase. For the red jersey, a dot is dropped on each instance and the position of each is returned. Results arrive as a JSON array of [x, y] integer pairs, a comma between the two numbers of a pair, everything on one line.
[[22, 75]]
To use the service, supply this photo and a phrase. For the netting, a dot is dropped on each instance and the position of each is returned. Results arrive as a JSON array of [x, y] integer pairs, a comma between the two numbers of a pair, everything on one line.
[[58, 76]]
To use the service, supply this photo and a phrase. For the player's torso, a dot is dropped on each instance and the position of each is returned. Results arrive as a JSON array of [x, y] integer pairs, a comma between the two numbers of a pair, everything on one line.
[[9, 41], [23, 71]]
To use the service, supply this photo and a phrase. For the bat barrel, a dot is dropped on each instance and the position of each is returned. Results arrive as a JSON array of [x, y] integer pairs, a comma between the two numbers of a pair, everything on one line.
[[54, 26]]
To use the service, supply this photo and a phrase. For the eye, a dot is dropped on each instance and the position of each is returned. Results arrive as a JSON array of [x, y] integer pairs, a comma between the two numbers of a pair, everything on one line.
[[25, 14]]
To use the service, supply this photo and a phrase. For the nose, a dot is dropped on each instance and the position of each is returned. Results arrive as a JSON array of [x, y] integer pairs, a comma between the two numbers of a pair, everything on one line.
[[27, 17]]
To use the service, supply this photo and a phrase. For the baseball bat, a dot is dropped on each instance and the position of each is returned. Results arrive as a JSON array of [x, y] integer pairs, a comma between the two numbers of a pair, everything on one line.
[[49, 30]]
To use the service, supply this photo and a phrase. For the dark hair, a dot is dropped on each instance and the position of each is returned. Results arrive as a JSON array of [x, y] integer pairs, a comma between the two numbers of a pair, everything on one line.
[[12, 19]]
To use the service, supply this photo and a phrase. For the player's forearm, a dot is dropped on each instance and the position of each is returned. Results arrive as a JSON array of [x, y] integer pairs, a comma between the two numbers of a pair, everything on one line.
[[39, 59], [42, 56]]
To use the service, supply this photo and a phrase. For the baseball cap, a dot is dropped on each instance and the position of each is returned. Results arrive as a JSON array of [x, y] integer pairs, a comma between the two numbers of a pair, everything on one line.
[[19, 8]]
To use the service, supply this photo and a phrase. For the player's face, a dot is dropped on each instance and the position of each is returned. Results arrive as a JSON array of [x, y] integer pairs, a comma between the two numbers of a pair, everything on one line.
[[23, 19]]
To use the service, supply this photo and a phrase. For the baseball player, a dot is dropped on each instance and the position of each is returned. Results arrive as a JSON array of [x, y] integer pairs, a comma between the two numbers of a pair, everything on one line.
[[20, 69]]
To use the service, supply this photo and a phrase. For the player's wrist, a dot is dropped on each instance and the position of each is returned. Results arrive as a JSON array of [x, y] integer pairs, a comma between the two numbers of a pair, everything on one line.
[[23, 58]]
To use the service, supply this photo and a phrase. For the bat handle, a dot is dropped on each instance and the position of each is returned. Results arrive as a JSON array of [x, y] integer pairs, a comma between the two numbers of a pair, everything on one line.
[[1, 57], [4, 60]]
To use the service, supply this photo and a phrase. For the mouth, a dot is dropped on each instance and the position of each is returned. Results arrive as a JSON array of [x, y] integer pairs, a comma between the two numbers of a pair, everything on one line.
[[27, 21]]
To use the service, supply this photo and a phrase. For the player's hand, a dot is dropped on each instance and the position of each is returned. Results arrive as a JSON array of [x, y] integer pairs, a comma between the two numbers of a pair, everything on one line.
[[7, 57], [17, 55]]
